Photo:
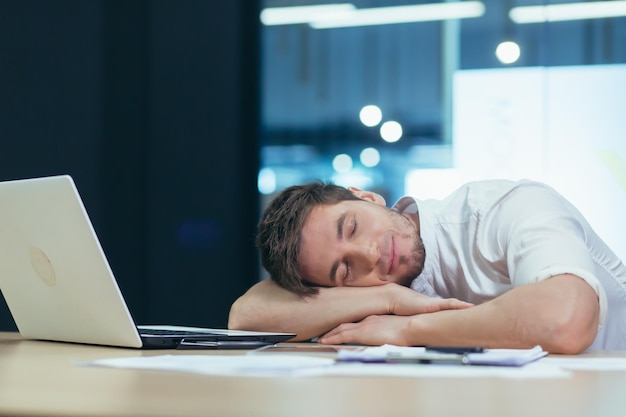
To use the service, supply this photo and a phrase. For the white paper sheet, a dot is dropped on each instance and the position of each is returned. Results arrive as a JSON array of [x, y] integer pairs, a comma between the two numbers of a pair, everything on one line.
[[266, 365], [296, 365], [535, 370], [587, 363], [507, 357]]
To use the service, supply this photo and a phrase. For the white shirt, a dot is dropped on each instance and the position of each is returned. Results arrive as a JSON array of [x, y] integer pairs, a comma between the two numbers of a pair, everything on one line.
[[490, 236]]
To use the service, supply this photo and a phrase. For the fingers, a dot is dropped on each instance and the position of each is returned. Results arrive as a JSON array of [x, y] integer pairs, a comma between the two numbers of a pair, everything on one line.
[[407, 302], [439, 304], [339, 335], [454, 304], [436, 304], [372, 330]]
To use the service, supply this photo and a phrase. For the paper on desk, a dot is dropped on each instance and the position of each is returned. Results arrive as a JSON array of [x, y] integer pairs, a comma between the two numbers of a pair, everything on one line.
[[507, 357], [491, 357], [377, 353], [535, 370], [314, 366], [584, 363], [238, 365]]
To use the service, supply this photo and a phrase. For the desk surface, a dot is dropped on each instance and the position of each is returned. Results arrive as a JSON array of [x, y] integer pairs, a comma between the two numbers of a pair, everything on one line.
[[41, 379]]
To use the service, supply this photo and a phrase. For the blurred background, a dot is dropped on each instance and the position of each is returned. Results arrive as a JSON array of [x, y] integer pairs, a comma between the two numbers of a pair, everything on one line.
[[417, 97], [180, 120]]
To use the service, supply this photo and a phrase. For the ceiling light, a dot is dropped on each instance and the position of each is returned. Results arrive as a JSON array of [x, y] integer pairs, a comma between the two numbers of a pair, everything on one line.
[[370, 157], [342, 163], [370, 115], [391, 131], [401, 14], [508, 52], [303, 14], [568, 11]]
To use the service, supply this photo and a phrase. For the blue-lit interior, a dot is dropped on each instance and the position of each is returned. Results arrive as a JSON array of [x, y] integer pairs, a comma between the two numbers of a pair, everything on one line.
[[422, 106]]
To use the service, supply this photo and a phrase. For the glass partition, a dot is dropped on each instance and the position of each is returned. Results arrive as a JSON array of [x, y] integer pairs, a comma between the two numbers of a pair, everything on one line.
[[417, 97]]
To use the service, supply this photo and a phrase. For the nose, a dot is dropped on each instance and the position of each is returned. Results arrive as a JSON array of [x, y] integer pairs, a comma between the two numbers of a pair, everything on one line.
[[363, 254]]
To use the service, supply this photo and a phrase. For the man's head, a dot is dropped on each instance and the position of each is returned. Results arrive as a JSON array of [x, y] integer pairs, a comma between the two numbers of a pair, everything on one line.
[[320, 234], [280, 230]]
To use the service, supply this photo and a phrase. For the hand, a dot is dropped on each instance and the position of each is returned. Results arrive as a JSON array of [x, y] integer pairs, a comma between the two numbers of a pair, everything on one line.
[[373, 330], [404, 301]]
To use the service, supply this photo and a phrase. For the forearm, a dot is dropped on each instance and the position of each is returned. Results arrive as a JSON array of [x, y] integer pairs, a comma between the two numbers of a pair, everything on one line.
[[268, 307], [560, 314]]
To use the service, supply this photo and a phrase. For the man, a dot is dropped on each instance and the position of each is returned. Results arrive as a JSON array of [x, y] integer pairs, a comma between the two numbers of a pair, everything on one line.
[[496, 264]]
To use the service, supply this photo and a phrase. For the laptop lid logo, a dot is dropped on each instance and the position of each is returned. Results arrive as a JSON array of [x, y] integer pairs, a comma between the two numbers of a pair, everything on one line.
[[42, 266]]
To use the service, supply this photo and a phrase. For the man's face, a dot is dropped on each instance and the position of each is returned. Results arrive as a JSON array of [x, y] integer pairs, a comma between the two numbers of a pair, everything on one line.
[[359, 243]]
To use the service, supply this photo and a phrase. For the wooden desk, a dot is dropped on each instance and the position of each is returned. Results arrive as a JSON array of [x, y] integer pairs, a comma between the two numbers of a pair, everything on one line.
[[41, 379]]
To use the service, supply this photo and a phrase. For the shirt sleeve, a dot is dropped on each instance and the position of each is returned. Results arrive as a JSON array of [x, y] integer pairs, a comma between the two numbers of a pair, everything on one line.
[[543, 237]]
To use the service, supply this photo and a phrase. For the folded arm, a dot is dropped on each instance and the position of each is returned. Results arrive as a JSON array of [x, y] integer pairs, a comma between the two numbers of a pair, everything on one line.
[[268, 307], [560, 314]]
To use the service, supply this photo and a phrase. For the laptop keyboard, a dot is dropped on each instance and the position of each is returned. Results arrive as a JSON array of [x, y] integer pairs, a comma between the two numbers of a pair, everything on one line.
[[170, 332]]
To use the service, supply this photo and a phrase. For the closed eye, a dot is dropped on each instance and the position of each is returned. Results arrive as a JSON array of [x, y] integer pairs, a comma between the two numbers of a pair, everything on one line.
[[352, 232], [344, 229]]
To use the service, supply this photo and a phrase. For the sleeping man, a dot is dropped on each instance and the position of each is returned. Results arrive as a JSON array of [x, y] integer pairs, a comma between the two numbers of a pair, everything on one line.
[[498, 264]]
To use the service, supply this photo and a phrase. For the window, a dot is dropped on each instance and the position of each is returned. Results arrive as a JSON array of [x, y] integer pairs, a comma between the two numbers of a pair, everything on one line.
[[546, 106]]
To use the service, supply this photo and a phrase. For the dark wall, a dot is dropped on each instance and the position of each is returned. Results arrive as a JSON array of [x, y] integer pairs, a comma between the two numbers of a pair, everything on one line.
[[152, 107]]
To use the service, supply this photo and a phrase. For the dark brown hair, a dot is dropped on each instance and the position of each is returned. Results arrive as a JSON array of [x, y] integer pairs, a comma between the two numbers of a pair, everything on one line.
[[280, 230]]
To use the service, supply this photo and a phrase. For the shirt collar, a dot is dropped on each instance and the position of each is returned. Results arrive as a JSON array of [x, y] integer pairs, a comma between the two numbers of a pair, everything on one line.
[[406, 205]]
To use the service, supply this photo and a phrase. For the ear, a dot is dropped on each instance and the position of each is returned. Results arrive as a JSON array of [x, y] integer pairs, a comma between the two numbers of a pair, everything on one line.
[[368, 196]]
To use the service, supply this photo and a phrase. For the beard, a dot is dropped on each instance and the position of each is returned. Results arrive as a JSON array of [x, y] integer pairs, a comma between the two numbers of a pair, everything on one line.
[[416, 257]]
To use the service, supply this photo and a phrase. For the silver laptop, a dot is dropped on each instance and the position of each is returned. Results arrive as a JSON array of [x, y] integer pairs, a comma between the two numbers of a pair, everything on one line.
[[59, 286]]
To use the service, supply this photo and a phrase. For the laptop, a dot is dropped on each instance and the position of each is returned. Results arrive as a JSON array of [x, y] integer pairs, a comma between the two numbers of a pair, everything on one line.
[[59, 286]]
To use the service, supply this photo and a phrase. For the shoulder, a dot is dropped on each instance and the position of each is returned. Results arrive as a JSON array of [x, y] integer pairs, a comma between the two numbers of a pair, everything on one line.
[[485, 195], [478, 198]]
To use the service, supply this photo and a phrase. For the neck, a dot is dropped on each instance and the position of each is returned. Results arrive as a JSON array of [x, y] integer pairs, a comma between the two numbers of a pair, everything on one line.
[[415, 219]]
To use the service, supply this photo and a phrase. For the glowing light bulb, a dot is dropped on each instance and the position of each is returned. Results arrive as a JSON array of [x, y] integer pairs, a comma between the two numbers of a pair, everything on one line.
[[266, 182], [370, 157], [370, 115], [508, 52], [342, 163], [391, 131]]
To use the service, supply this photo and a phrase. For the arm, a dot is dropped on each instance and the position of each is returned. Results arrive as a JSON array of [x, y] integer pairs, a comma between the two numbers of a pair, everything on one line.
[[268, 307], [560, 314]]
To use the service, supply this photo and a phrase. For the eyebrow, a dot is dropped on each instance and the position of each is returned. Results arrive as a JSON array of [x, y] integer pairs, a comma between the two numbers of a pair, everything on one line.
[[333, 269]]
